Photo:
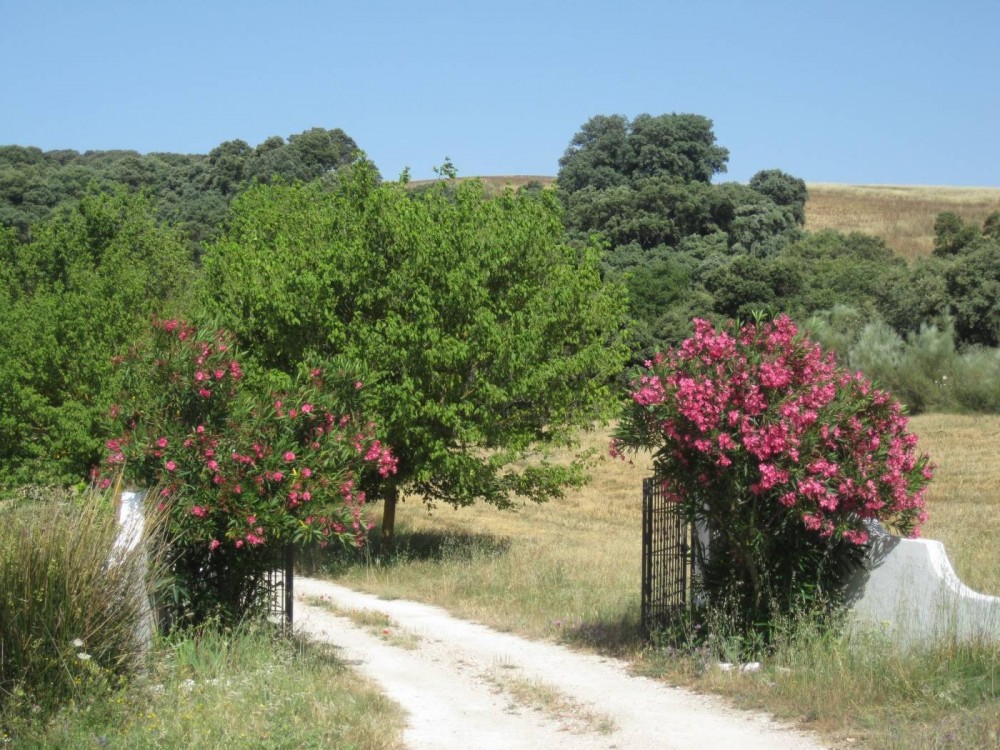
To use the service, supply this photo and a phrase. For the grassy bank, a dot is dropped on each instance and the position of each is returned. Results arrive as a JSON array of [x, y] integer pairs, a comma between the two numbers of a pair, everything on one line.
[[569, 570], [73, 672], [223, 690]]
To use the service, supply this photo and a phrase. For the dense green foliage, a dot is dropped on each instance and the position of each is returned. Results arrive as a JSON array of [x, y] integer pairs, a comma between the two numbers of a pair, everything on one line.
[[85, 283], [685, 247], [190, 191], [480, 332], [682, 245]]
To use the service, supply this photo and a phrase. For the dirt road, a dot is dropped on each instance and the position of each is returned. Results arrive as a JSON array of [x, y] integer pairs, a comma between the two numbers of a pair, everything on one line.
[[466, 686]]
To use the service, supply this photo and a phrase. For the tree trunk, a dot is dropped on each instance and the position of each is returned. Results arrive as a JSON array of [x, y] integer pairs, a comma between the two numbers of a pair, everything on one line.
[[389, 517]]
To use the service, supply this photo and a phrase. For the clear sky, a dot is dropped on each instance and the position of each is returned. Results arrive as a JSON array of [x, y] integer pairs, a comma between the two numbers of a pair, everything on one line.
[[854, 91]]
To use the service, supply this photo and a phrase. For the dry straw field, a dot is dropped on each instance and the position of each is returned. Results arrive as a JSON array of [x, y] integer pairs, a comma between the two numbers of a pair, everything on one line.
[[901, 215]]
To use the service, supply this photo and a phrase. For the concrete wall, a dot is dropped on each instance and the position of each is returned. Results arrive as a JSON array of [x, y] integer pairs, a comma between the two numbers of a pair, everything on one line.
[[912, 593]]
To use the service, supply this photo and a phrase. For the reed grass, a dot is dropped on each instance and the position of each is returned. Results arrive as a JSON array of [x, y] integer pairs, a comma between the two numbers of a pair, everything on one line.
[[74, 607], [77, 670]]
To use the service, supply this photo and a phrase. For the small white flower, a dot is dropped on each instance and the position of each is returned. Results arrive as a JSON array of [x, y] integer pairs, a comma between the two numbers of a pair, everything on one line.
[[83, 656], [77, 643]]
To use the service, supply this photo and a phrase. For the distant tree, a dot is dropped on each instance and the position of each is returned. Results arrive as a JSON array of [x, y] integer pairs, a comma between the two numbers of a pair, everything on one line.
[[481, 332], [991, 227], [784, 190], [599, 155], [952, 235], [192, 192], [610, 151], [973, 282]]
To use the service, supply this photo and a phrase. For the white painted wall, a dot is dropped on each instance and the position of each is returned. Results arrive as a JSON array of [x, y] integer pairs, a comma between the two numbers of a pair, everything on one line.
[[912, 593]]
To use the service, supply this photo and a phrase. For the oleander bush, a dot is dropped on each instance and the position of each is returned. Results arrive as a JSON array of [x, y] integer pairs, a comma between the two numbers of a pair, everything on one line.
[[781, 455]]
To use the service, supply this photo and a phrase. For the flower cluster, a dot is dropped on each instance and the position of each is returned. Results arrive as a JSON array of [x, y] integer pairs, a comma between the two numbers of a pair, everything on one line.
[[238, 469], [759, 413]]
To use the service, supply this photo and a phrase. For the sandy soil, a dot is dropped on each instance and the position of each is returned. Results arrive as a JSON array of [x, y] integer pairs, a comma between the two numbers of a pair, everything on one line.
[[465, 686]]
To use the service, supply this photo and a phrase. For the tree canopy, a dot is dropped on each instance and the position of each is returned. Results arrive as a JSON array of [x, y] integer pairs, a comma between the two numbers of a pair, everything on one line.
[[481, 331]]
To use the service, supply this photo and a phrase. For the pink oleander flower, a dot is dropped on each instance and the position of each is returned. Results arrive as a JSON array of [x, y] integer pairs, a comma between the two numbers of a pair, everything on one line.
[[289, 457], [199, 511], [171, 466]]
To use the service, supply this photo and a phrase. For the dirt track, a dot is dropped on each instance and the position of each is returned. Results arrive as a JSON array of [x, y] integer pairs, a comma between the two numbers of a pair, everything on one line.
[[465, 686]]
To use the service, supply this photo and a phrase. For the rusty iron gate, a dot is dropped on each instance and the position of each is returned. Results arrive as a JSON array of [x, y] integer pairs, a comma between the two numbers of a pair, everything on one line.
[[666, 557], [279, 580]]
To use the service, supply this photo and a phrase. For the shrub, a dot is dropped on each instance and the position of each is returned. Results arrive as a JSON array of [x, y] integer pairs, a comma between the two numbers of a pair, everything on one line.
[[70, 612], [781, 455], [243, 471]]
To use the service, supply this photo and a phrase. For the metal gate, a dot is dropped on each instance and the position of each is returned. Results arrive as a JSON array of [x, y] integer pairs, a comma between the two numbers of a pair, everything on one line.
[[666, 556], [279, 587]]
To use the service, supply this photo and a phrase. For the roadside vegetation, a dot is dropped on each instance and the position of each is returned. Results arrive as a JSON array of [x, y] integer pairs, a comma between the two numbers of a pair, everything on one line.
[[481, 329], [76, 670]]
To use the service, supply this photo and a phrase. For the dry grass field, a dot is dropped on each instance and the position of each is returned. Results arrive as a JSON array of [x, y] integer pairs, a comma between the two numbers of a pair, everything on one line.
[[583, 551], [901, 215]]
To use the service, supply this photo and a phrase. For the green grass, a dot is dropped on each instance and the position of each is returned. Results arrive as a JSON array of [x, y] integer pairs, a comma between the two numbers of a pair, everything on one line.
[[223, 690]]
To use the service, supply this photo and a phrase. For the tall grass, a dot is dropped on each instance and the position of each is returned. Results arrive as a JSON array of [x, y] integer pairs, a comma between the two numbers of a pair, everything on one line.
[[71, 612], [78, 670]]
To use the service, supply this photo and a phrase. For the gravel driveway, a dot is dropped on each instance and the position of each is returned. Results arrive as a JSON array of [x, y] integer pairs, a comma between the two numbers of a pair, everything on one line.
[[465, 686]]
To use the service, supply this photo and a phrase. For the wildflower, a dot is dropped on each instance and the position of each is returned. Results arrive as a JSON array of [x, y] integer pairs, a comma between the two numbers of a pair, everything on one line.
[[171, 466], [289, 457]]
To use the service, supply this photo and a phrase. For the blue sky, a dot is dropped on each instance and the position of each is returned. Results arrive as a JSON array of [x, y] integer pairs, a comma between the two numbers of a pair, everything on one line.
[[855, 92]]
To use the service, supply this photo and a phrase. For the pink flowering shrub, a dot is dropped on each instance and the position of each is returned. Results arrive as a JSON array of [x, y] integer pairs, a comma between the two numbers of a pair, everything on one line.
[[241, 471], [785, 458]]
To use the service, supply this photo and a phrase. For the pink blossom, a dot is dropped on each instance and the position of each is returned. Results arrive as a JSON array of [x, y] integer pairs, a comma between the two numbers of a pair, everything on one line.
[[199, 511], [214, 545], [171, 466], [289, 457], [161, 442]]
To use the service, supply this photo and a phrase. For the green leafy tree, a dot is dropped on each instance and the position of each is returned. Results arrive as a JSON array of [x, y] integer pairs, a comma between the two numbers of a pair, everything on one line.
[[952, 235], [86, 283], [611, 151], [973, 282], [481, 332], [784, 190]]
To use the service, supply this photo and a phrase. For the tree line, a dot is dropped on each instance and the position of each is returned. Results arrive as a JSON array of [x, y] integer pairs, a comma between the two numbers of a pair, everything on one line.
[[484, 325]]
